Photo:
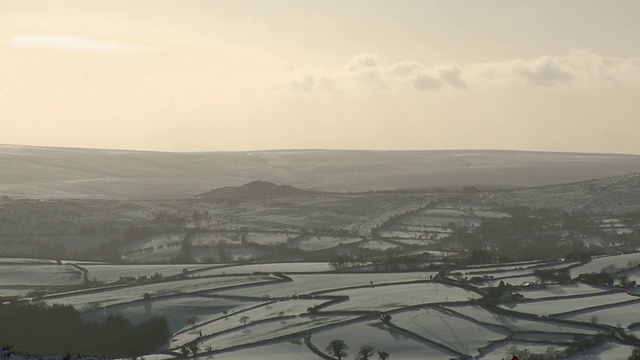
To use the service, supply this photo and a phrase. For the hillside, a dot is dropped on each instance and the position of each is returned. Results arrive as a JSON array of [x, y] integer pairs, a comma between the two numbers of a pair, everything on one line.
[[39, 172], [253, 190], [616, 194]]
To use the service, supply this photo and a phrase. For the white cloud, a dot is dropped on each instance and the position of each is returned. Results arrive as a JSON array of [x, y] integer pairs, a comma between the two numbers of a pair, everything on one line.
[[580, 68], [425, 80], [365, 72], [364, 61], [452, 76], [74, 44], [304, 83], [546, 70]]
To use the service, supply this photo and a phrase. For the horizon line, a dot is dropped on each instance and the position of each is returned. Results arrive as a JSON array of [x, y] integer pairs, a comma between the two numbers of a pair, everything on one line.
[[316, 149]]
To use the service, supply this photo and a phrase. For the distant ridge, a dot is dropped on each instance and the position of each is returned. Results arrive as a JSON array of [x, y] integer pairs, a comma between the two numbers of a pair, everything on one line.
[[46, 173], [614, 194], [253, 190]]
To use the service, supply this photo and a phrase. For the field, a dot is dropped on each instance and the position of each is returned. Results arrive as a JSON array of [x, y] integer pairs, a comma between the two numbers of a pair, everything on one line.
[[292, 311]]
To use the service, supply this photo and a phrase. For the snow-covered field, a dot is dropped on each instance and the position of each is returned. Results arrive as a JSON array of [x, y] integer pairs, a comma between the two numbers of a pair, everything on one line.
[[377, 245], [561, 290], [272, 329], [265, 238], [303, 284], [39, 275], [391, 297], [556, 306], [616, 315], [597, 265], [158, 248], [109, 273], [383, 338], [124, 294], [454, 332], [285, 350], [519, 324], [605, 351], [315, 242], [301, 267], [267, 310]]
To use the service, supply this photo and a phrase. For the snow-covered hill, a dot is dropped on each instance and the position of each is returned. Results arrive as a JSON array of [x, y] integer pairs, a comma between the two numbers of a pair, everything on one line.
[[618, 194], [39, 172]]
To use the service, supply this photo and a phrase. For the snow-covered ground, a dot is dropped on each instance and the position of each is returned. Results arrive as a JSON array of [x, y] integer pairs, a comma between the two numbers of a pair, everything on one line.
[[319, 283], [39, 275], [272, 238], [377, 245], [519, 324], [609, 350], [273, 329], [559, 306], [428, 319], [300, 267], [109, 272], [380, 337], [596, 265], [615, 315], [124, 294], [561, 290], [391, 297], [285, 350], [454, 332], [315, 242]]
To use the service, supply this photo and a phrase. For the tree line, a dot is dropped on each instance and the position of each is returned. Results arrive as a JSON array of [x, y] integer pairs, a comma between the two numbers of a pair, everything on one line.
[[43, 330]]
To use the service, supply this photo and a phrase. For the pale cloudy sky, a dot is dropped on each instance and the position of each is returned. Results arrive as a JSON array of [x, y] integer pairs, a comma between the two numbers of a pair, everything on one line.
[[201, 75]]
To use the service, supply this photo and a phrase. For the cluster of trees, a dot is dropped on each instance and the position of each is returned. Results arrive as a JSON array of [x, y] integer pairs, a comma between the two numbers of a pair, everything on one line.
[[525, 354], [109, 250], [527, 234], [604, 278], [58, 329], [168, 216], [551, 275], [338, 349]]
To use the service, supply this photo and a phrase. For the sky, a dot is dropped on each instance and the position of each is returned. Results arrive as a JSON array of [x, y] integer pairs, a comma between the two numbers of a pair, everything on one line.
[[233, 75]]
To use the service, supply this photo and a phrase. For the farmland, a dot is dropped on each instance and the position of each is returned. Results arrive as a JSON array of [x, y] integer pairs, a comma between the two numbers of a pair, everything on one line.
[[294, 310], [274, 271]]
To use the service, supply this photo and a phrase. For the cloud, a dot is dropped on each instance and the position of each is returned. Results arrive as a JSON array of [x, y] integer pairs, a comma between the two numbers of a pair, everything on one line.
[[363, 72], [420, 77], [74, 44], [452, 76], [424, 80], [362, 62], [307, 83], [405, 69], [581, 68], [545, 70], [577, 68], [304, 83]]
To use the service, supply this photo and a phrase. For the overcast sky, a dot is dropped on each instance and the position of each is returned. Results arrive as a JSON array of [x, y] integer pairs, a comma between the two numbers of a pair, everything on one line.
[[201, 75]]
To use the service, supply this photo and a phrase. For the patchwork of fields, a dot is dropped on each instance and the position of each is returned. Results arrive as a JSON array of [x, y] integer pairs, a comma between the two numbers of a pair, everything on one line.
[[294, 310]]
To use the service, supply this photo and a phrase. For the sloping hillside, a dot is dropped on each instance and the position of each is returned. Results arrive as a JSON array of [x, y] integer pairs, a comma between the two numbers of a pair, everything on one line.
[[39, 172], [253, 190], [617, 194]]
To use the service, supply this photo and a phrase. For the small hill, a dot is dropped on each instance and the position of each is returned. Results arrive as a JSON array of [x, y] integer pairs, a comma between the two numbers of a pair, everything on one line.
[[254, 190], [617, 194]]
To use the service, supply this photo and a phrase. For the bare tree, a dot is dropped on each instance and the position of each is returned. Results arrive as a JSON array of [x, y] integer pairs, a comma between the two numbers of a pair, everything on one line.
[[383, 355], [365, 353], [192, 320], [244, 320], [337, 348], [193, 349]]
